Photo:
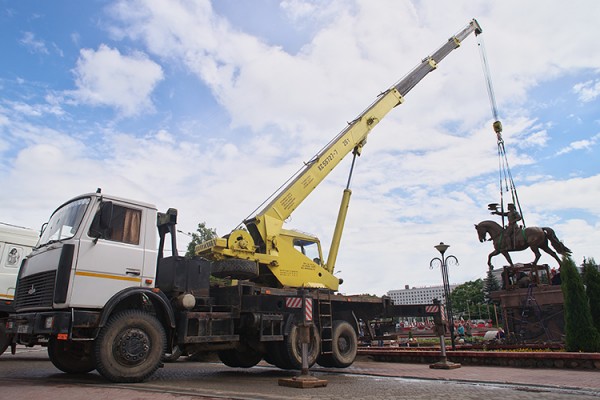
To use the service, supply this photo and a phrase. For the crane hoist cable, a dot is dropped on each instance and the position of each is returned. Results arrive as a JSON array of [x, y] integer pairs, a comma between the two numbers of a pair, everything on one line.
[[505, 176]]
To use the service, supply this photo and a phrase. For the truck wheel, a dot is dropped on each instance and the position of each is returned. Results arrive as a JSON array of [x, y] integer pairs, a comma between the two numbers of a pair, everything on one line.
[[130, 347], [4, 339], [344, 346], [325, 360], [276, 355], [234, 268], [240, 359], [72, 357], [293, 347], [176, 352]]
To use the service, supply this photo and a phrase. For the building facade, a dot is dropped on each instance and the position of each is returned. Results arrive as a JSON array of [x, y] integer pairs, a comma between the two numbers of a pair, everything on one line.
[[418, 295]]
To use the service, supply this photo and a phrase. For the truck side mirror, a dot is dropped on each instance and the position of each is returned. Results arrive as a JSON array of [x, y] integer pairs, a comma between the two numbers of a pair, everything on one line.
[[100, 227]]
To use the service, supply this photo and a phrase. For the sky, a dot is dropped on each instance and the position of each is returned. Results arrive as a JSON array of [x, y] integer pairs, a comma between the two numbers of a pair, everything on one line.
[[209, 107]]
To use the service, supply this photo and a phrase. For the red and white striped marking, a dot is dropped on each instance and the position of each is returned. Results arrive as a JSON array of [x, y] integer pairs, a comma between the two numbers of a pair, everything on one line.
[[296, 302], [431, 309], [308, 310], [293, 302]]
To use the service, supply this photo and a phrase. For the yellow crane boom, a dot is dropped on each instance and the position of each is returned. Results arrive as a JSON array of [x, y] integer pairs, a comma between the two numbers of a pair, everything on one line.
[[267, 243]]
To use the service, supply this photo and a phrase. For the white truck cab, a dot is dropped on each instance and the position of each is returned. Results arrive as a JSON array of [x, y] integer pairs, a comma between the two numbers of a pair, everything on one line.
[[124, 258]]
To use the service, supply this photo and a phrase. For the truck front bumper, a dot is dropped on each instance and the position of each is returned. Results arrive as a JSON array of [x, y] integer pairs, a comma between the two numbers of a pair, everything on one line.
[[73, 323], [43, 323]]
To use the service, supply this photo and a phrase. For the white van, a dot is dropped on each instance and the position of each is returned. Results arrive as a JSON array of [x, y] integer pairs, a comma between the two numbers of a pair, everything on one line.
[[16, 243]]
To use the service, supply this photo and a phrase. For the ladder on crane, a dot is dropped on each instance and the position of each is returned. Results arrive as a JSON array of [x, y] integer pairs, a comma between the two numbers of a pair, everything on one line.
[[325, 320]]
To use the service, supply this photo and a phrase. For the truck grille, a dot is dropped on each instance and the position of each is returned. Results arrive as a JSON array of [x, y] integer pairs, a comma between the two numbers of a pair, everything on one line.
[[35, 291]]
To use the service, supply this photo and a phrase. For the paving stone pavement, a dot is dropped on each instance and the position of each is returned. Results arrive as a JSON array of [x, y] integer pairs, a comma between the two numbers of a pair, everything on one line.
[[30, 375], [552, 378]]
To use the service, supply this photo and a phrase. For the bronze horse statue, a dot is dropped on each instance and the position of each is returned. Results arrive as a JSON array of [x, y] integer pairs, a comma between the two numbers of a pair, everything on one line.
[[534, 237]]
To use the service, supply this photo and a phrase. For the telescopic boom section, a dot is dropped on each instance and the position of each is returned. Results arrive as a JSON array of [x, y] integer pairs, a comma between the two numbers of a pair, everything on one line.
[[287, 255], [270, 219]]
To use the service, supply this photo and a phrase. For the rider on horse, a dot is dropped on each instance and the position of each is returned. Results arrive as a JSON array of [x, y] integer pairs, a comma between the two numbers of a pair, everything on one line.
[[513, 217]]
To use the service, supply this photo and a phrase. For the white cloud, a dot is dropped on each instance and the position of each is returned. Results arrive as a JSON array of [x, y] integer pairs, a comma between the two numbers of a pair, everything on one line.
[[36, 110], [585, 144], [34, 45], [553, 195], [105, 77], [298, 9], [587, 91]]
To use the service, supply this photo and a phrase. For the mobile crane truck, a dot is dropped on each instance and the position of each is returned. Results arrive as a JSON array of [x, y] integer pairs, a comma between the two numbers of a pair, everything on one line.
[[102, 294]]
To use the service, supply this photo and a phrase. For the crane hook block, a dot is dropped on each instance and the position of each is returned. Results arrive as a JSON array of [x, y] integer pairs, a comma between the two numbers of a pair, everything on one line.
[[497, 126]]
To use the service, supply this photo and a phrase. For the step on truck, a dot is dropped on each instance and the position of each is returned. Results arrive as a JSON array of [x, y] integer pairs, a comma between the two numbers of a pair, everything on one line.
[[102, 292]]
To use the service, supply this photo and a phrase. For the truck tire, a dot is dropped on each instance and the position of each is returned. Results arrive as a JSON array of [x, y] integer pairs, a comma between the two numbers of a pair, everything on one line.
[[292, 353], [235, 269], [235, 358], [72, 357], [4, 339], [130, 347], [276, 355], [344, 346]]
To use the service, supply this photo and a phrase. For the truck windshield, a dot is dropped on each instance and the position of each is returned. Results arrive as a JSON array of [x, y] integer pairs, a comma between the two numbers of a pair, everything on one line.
[[64, 222]]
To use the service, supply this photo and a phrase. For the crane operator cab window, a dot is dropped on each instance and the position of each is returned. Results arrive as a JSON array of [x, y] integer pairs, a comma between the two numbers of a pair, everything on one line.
[[117, 223], [309, 249]]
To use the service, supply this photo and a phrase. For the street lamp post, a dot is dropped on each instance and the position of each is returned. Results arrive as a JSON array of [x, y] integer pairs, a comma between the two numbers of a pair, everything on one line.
[[443, 263]]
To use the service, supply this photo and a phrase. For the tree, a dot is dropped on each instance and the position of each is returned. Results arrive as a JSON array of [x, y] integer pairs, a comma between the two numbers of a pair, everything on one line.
[[466, 295], [490, 285], [581, 335], [591, 280], [202, 234]]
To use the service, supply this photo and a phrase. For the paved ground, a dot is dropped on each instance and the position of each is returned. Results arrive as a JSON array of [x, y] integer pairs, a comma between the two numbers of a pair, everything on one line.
[[30, 375], [551, 378]]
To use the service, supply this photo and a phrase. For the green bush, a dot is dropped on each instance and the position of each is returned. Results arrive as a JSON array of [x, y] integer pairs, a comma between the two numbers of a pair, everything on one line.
[[591, 280], [581, 335]]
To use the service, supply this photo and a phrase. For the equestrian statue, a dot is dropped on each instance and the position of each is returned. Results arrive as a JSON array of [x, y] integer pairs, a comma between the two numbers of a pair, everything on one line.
[[516, 238]]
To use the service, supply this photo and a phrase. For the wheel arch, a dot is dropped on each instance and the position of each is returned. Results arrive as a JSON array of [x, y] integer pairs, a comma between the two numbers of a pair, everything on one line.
[[141, 299]]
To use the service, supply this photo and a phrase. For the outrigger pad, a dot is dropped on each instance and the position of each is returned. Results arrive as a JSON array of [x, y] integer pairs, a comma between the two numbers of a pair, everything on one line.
[[303, 382]]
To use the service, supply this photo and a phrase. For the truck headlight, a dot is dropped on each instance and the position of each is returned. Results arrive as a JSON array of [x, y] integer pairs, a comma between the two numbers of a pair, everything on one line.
[[48, 322]]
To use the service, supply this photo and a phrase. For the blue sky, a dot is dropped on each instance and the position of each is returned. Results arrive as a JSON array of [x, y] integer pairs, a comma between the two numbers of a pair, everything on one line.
[[209, 107]]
